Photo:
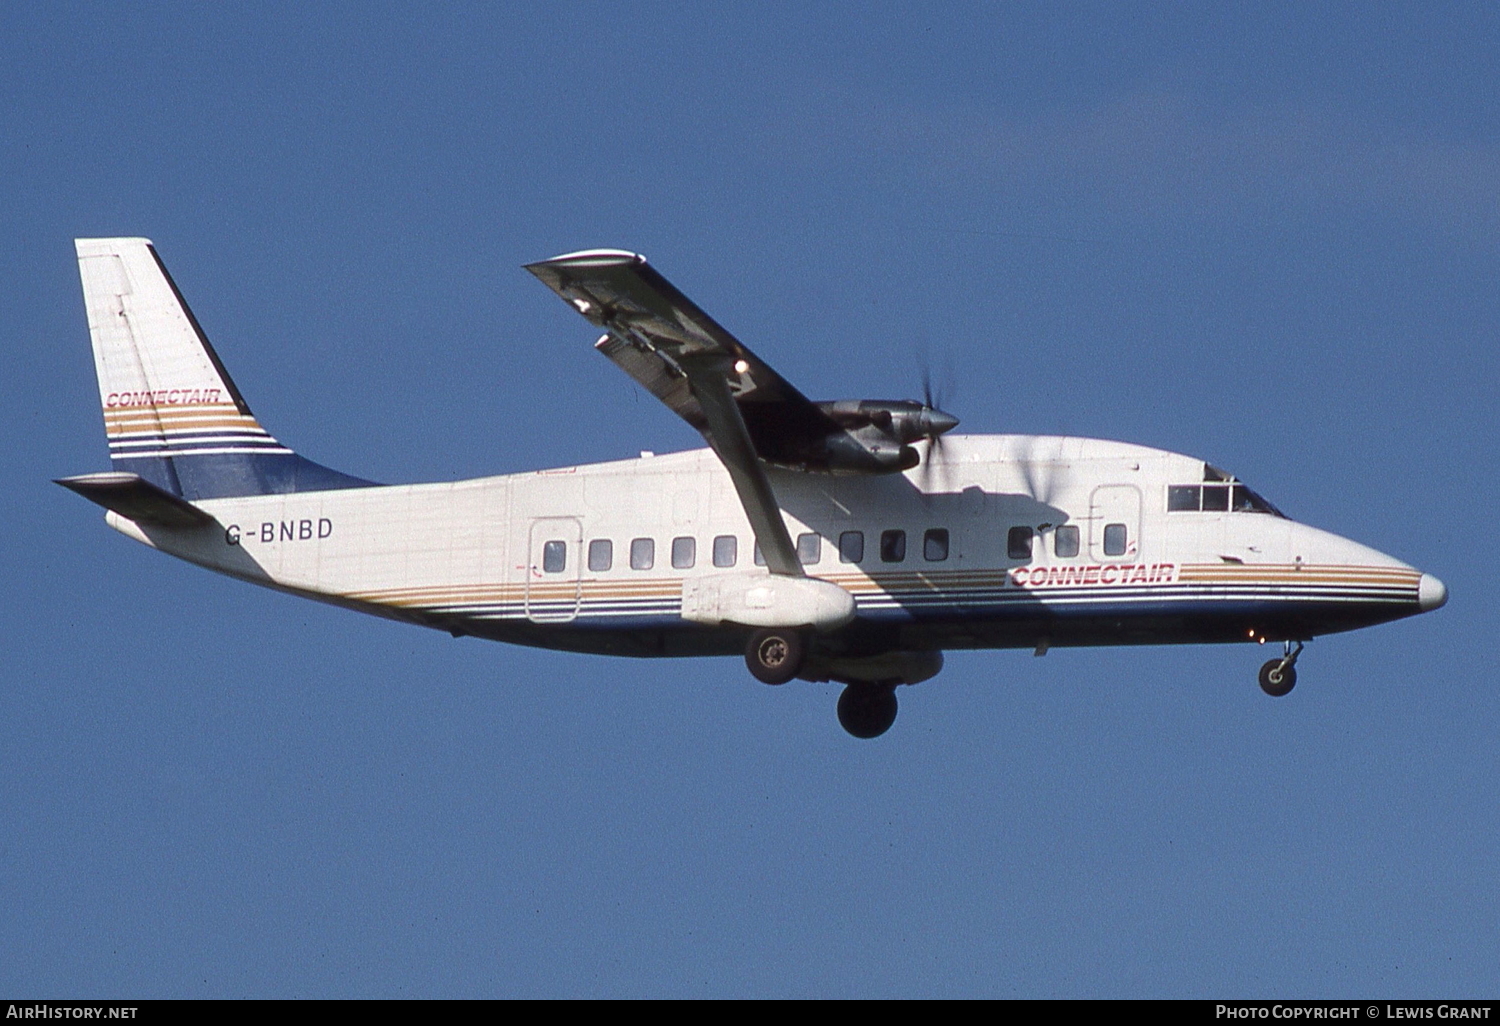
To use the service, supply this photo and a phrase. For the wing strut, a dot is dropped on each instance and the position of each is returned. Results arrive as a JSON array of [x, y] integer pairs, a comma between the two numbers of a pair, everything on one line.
[[707, 377]]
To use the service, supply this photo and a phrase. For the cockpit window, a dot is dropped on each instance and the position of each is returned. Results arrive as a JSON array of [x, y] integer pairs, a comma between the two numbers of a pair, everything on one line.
[[1243, 500], [1184, 497], [1227, 497]]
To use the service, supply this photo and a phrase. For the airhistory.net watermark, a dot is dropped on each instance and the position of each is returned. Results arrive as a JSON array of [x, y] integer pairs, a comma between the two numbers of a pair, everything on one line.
[[45, 1010]]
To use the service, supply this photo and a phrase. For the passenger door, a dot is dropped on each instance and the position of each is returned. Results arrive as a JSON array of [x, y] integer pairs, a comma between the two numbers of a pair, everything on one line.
[[1115, 510], [554, 560]]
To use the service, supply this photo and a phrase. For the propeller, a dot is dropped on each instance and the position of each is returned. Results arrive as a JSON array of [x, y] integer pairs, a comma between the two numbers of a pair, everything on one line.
[[934, 424], [1036, 487], [1041, 470]]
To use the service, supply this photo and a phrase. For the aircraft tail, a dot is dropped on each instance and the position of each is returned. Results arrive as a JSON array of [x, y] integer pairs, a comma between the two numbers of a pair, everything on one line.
[[172, 414]]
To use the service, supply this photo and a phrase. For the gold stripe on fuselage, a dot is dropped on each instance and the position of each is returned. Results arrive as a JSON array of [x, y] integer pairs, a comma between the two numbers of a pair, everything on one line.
[[953, 583]]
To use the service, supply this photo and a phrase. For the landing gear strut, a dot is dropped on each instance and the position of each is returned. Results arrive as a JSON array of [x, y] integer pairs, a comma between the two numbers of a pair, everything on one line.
[[775, 656], [1279, 676], [867, 710]]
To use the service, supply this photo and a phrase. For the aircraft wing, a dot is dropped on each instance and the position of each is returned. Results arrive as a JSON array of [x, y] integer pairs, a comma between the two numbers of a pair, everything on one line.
[[701, 372], [652, 326]]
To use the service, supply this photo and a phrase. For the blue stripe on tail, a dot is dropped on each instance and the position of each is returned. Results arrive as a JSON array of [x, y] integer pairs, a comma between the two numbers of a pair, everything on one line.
[[223, 475]]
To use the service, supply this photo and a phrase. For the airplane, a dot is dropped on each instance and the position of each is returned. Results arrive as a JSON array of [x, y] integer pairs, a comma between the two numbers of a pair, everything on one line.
[[850, 541]]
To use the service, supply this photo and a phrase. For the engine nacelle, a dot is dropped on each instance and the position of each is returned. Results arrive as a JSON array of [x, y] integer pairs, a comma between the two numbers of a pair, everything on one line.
[[867, 452], [901, 420], [875, 436], [850, 436]]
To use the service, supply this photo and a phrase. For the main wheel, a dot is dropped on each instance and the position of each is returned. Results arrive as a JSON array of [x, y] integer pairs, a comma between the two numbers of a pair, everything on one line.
[[867, 710], [775, 656], [1276, 680]]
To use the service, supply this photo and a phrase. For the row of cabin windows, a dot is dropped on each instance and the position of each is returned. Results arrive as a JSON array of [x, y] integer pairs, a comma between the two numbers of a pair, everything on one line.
[[1065, 541], [601, 551]]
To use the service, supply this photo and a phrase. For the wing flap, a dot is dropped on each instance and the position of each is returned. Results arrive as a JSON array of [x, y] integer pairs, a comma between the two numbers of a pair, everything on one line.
[[655, 376]]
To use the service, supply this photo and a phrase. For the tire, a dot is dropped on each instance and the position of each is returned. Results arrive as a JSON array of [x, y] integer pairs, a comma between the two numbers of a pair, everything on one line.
[[1275, 681], [775, 656], [867, 710]]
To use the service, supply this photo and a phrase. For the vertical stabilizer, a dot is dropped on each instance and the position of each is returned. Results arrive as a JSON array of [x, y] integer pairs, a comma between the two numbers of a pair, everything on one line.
[[171, 412]]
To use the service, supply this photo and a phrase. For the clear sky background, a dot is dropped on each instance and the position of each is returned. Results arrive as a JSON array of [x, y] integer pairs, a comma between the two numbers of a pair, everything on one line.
[[1265, 236]]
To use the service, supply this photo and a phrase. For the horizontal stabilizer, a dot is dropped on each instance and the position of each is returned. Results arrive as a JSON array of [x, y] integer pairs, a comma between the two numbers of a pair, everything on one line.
[[135, 498]]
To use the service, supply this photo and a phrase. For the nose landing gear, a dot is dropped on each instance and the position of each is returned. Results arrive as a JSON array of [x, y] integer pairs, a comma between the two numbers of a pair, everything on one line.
[[1279, 676]]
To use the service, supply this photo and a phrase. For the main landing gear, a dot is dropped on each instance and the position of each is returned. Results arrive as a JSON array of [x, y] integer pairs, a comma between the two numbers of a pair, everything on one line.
[[867, 708], [1279, 676], [775, 656]]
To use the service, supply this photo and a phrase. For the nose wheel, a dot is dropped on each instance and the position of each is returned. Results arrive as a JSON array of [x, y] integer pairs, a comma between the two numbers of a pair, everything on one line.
[[1279, 676]]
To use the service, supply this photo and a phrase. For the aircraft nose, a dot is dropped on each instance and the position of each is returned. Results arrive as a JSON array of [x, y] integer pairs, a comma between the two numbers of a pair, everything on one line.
[[1431, 593]]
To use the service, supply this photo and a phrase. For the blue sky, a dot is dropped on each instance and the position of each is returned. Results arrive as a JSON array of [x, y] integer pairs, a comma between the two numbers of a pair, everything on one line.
[[1266, 237]]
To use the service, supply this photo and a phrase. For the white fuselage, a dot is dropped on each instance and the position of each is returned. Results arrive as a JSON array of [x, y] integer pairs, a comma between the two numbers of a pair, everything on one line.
[[522, 557]]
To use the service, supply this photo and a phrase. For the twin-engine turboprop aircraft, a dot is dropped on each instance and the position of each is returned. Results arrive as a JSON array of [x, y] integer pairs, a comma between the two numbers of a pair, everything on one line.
[[849, 541]]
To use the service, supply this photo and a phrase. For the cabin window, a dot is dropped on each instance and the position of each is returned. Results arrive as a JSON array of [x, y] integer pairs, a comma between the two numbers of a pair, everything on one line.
[[684, 553], [642, 554], [1018, 543], [760, 557], [935, 545], [601, 554], [1065, 541], [1114, 539], [555, 557], [851, 546], [892, 546], [726, 550], [809, 548]]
